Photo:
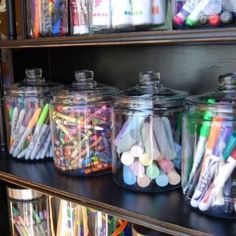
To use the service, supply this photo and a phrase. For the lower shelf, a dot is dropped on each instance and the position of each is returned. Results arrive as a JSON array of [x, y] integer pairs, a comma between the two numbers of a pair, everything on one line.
[[164, 212]]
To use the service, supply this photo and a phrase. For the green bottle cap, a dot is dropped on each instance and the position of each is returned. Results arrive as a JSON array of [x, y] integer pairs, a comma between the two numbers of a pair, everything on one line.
[[190, 22]]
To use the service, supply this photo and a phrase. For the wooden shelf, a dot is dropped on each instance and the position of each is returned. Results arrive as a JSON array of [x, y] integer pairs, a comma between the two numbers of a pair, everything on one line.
[[165, 212], [219, 35]]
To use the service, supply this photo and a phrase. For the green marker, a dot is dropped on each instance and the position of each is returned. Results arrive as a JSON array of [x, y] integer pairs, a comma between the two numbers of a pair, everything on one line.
[[42, 118]]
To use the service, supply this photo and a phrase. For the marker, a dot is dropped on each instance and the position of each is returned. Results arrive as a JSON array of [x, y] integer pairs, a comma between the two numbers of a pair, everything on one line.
[[193, 17], [210, 160], [187, 8], [214, 20], [226, 17], [13, 123], [27, 131], [41, 120], [218, 182]]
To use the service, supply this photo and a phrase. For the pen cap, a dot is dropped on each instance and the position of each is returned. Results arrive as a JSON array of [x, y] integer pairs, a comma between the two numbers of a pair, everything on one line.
[[149, 93]]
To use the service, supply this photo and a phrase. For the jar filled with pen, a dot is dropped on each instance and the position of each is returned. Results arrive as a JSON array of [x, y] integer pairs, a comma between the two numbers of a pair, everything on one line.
[[209, 150], [28, 212], [147, 136], [81, 126], [27, 116]]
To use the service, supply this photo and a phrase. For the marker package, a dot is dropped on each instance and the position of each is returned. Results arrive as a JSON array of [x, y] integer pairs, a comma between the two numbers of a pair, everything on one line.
[[203, 13], [147, 136], [81, 124], [47, 18], [28, 212], [26, 106], [209, 165]]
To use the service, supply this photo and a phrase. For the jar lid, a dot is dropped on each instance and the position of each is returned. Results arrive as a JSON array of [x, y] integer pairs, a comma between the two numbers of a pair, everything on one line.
[[23, 194], [224, 95], [149, 93], [84, 90], [33, 84]]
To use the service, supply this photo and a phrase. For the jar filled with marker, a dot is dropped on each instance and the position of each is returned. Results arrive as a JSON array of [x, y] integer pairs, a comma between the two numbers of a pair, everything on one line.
[[81, 126], [147, 136], [28, 212], [27, 117], [209, 150]]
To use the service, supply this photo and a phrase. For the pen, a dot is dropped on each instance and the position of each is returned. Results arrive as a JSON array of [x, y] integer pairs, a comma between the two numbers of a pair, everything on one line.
[[27, 131], [218, 182], [42, 118]]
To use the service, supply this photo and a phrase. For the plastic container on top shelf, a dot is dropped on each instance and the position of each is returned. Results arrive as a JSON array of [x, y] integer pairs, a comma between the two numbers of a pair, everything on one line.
[[26, 116], [81, 126], [209, 150], [203, 13], [28, 212], [47, 18], [147, 135]]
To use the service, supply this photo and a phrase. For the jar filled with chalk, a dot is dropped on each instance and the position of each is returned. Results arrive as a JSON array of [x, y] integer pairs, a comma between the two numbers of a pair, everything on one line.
[[81, 126], [147, 135], [27, 116], [28, 212], [209, 150]]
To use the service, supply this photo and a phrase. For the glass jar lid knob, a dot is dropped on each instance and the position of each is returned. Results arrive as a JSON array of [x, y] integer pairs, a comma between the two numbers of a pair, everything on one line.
[[84, 79]]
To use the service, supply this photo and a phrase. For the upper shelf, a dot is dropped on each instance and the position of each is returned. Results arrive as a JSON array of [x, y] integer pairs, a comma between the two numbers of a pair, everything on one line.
[[165, 212], [219, 35]]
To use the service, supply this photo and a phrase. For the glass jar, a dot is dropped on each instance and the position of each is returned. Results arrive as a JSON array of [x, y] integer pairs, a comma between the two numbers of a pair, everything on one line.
[[81, 126], [28, 212], [26, 116], [209, 150], [147, 135]]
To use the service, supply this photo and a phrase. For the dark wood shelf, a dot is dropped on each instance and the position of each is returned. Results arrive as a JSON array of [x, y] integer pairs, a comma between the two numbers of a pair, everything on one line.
[[165, 212], [218, 35]]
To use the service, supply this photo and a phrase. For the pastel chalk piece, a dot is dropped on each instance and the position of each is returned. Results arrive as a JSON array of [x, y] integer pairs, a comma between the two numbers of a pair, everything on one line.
[[152, 171], [137, 150], [127, 159], [129, 133], [143, 181], [128, 177], [162, 137], [174, 177], [145, 159], [149, 141], [162, 179], [166, 165], [137, 168]]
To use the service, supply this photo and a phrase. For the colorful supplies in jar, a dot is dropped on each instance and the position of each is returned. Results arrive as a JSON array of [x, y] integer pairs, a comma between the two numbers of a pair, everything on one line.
[[209, 150], [28, 212], [27, 116], [47, 18], [75, 219], [147, 135], [81, 126]]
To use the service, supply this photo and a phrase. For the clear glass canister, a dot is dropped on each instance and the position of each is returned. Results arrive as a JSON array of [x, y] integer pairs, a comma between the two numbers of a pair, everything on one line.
[[147, 135], [81, 126], [209, 150], [27, 117], [28, 212]]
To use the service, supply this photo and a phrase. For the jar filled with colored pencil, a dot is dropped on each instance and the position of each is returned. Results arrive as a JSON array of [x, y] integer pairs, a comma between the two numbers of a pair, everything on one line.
[[147, 136], [81, 126], [27, 116], [28, 212], [209, 150]]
